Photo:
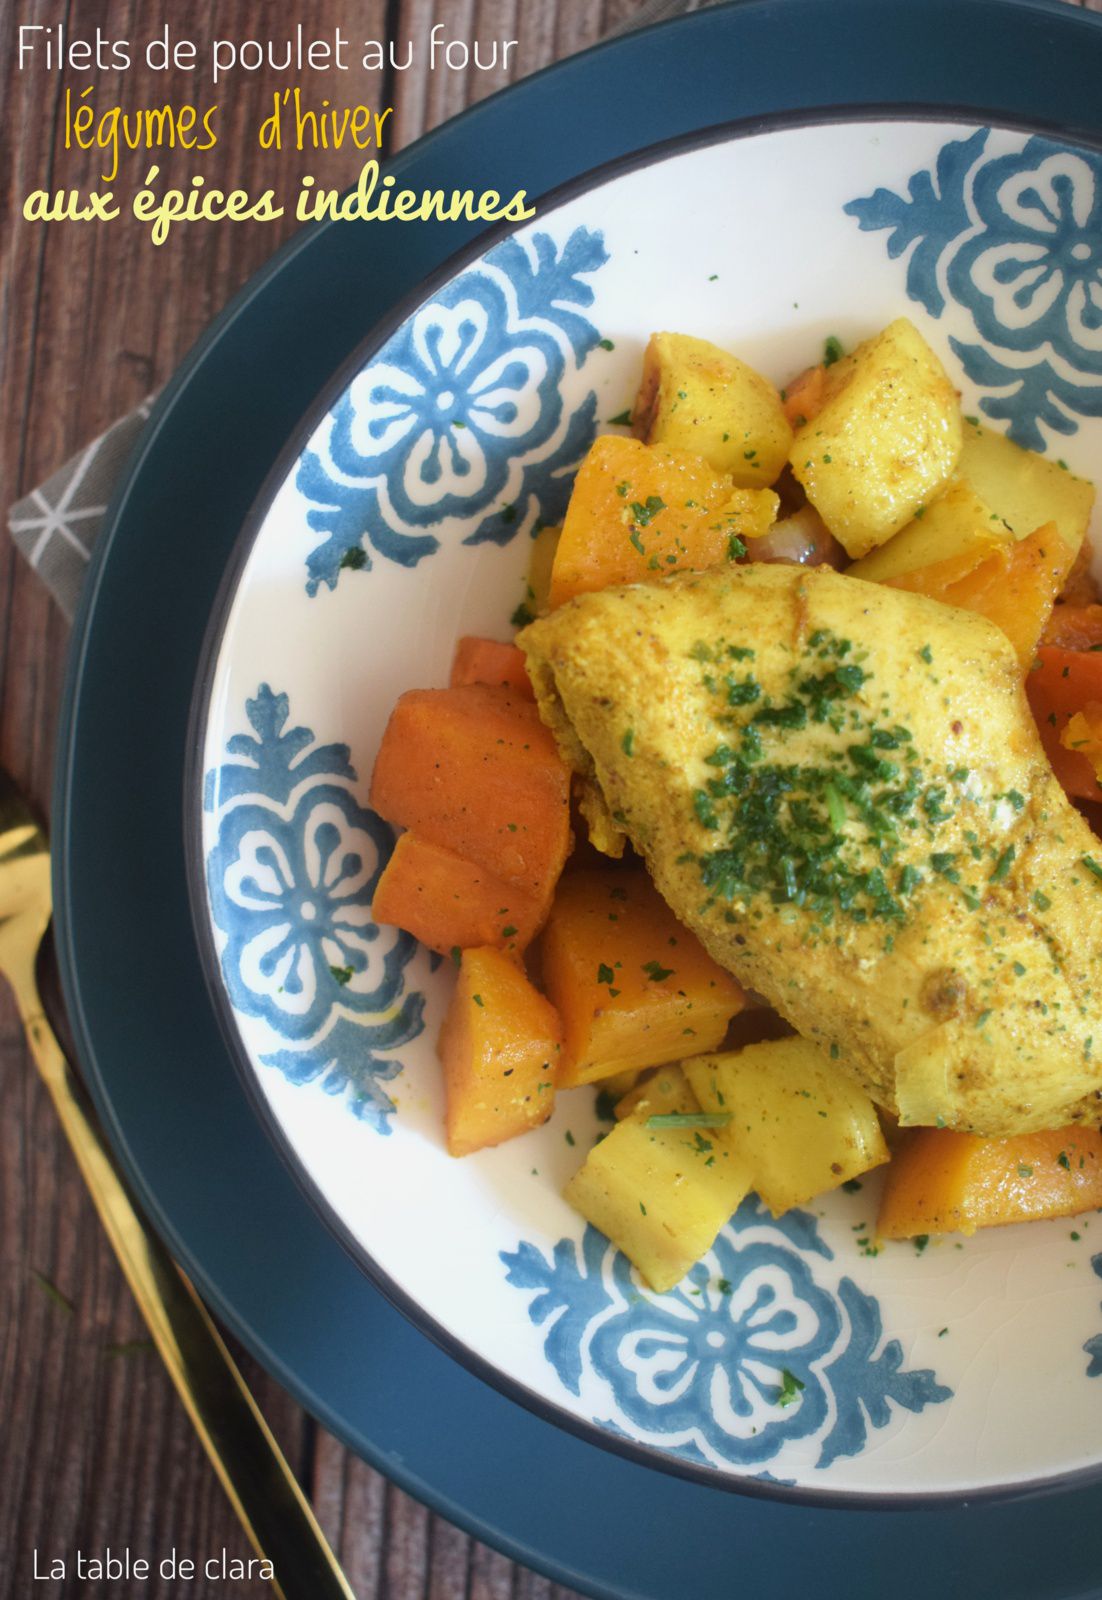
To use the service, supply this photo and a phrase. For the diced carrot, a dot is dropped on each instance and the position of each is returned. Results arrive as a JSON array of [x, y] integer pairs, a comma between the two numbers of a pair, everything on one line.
[[1062, 683], [1015, 585], [449, 903], [633, 987], [1081, 587], [1074, 627], [941, 1181], [640, 512], [488, 661], [499, 1047], [475, 771], [803, 397]]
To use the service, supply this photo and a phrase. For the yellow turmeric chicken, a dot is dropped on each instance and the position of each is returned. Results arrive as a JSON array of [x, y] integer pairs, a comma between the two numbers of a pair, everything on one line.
[[839, 788]]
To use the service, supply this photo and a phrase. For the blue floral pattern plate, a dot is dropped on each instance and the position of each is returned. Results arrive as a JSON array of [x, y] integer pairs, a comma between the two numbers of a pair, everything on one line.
[[798, 1352]]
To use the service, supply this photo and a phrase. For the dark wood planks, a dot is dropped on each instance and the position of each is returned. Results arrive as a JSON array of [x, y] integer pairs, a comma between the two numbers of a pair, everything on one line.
[[96, 1449]]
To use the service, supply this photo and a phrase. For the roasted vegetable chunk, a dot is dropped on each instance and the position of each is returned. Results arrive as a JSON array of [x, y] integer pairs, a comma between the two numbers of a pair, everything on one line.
[[447, 902], [639, 513], [695, 396], [886, 441], [499, 1047], [802, 1126], [634, 988], [1023, 488], [957, 526], [660, 1192], [475, 771], [945, 1182]]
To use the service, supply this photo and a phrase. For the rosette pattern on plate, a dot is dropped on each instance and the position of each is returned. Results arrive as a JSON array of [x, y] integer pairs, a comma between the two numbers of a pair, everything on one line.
[[291, 878], [1015, 241], [460, 419], [754, 1352]]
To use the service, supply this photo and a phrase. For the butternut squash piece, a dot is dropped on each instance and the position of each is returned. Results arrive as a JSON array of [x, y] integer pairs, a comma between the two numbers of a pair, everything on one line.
[[475, 771], [1084, 733], [488, 661], [1074, 627], [639, 513], [800, 1123], [500, 1048], [449, 903], [695, 396], [941, 1181], [633, 987], [660, 1193], [1015, 586], [1063, 682]]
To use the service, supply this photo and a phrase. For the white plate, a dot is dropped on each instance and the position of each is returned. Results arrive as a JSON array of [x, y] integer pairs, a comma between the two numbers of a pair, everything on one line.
[[403, 524]]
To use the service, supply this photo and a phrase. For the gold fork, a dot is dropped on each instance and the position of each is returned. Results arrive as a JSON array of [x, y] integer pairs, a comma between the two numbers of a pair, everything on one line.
[[253, 1471]]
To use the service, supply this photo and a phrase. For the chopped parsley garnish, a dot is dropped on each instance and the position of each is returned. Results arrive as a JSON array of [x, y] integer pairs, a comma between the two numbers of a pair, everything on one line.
[[621, 421], [341, 975], [657, 973], [1092, 866], [832, 350], [1005, 862], [478, 1000], [790, 1388], [522, 616], [627, 743], [1062, 1161], [354, 558], [645, 512], [605, 974]]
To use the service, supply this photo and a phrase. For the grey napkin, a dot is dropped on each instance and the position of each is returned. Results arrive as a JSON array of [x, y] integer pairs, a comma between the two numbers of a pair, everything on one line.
[[56, 525]]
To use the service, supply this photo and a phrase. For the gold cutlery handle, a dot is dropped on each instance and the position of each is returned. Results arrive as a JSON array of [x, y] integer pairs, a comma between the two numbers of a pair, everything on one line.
[[253, 1470]]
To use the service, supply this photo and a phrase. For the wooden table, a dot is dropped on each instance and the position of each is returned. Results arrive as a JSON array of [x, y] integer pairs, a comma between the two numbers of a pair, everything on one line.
[[96, 1450]]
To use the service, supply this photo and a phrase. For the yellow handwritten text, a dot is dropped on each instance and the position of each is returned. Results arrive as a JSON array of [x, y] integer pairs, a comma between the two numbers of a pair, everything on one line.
[[406, 205], [200, 204], [148, 129], [324, 129]]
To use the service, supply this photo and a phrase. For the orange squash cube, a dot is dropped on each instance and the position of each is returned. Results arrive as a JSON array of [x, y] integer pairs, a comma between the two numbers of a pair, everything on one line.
[[488, 661], [1015, 585], [500, 1048], [941, 1181], [633, 987], [447, 902], [475, 771], [640, 512]]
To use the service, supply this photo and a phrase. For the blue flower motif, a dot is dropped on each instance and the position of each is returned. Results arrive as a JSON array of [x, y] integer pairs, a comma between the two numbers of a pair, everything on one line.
[[291, 878], [461, 416], [1015, 240], [751, 1353], [1033, 268], [294, 895]]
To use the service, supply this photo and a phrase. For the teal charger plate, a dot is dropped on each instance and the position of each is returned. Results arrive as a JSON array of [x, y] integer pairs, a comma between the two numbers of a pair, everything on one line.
[[147, 1035]]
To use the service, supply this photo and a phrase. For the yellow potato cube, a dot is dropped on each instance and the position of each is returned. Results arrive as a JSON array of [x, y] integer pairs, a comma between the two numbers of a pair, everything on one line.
[[694, 396], [954, 527], [1025, 489], [886, 441], [668, 1089], [800, 1123], [661, 1194]]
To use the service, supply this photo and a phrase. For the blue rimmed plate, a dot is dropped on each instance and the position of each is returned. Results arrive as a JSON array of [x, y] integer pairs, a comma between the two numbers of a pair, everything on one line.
[[402, 523], [276, 1286]]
